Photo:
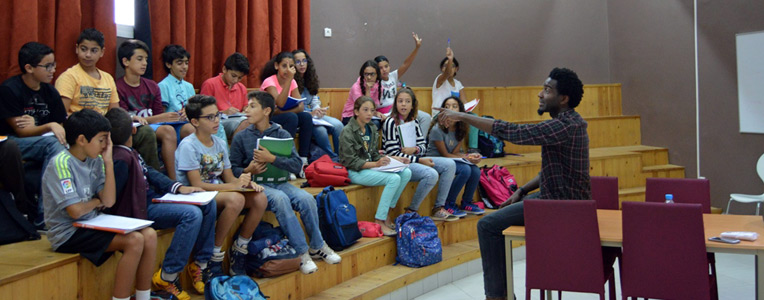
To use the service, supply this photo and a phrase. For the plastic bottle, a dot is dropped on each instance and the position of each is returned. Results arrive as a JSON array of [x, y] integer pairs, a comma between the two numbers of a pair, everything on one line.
[[669, 198]]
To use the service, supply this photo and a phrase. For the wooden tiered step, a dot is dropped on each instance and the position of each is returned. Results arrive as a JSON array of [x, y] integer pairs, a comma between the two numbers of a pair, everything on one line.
[[390, 278]]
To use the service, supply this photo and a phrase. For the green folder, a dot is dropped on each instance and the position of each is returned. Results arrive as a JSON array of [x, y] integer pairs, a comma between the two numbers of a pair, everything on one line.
[[280, 148]]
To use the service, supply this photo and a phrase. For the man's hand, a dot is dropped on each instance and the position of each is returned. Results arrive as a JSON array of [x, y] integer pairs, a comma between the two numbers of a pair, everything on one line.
[[516, 197], [189, 189], [24, 121], [58, 132], [262, 155], [447, 116], [427, 162]]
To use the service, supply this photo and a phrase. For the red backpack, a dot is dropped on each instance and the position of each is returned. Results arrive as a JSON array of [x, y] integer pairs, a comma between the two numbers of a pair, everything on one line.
[[324, 172], [496, 185]]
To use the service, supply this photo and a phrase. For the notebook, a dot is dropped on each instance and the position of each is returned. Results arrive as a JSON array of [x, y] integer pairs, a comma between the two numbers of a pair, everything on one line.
[[112, 223], [198, 198]]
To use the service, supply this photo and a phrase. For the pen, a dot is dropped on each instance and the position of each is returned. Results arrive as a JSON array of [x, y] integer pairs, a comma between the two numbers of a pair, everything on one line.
[[449, 42]]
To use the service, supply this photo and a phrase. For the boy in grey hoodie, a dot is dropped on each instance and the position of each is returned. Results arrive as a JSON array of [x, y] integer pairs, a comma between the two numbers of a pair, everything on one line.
[[283, 197]]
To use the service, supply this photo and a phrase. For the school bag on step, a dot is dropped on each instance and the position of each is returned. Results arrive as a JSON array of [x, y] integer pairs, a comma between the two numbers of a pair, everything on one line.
[[418, 241], [496, 185], [337, 219], [325, 172]]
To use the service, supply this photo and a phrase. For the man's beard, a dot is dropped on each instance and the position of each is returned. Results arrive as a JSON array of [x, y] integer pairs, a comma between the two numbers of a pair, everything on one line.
[[540, 111]]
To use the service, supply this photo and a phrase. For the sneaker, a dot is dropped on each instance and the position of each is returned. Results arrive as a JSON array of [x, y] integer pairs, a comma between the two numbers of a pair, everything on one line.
[[472, 209], [197, 280], [440, 214], [237, 257], [325, 253], [307, 266], [452, 209], [214, 269], [171, 288]]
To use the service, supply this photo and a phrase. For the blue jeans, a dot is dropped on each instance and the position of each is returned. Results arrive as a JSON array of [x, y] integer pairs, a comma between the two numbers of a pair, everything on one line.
[[291, 122], [428, 177], [40, 149], [394, 184], [467, 176], [283, 200], [321, 135], [194, 232], [492, 249]]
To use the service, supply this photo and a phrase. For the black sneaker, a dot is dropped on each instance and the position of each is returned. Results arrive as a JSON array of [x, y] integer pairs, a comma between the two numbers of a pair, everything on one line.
[[237, 257], [214, 269]]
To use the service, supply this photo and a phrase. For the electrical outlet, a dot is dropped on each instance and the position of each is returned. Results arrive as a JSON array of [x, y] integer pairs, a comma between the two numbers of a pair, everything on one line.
[[327, 32]]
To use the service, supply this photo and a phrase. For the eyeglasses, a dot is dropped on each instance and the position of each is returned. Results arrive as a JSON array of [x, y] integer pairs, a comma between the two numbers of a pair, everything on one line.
[[369, 74], [303, 61], [48, 67], [212, 117]]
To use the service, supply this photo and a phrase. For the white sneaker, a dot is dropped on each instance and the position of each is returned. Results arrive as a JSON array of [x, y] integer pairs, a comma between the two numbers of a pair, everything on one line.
[[325, 253], [307, 266]]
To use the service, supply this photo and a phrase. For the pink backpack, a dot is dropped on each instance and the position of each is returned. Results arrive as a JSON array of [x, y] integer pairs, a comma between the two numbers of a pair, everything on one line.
[[496, 185]]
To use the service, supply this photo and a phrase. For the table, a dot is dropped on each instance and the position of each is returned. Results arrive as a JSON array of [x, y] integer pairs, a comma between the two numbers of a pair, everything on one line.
[[611, 234]]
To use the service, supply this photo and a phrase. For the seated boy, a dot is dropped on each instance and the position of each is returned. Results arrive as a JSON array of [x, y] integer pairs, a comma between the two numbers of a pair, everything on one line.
[[31, 110], [202, 161], [77, 184], [284, 197], [176, 91], [141, 97], [85, 86], [137, 185], [231, 95]]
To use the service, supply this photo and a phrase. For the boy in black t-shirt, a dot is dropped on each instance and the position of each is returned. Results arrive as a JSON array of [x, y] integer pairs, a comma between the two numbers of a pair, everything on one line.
[[31, 111]]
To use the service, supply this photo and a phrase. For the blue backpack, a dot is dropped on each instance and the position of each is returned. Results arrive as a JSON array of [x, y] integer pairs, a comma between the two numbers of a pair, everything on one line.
[[418, 241], [233, 288], [337, 219]]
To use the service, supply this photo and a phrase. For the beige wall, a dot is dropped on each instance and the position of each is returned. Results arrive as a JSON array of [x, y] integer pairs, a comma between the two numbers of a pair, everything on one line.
[[497, 42]]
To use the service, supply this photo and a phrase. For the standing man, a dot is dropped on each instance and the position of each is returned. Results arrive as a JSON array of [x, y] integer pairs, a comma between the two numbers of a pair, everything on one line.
[[564, 166]]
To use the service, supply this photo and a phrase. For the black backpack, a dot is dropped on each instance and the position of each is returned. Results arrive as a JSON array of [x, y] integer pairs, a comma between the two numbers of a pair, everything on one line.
[[488, 145], [15, 228]]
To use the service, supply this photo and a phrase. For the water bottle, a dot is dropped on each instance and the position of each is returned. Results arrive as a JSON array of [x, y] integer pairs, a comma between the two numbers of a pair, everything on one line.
[[670, 198]]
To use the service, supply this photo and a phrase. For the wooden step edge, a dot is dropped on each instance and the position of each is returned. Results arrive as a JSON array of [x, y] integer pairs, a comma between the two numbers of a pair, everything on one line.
[[390, 278], [666, 167], [635, 148], [24, 259]]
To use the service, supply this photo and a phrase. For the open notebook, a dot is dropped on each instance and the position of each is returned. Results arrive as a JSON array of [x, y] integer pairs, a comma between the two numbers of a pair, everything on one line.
[[112, 223], [198, 198]]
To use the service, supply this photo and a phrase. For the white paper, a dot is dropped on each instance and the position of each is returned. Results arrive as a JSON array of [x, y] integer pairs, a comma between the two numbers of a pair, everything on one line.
[[462, 160], [198, 198], [741, 235], [322, 122], [393, 167], [469, 106], [115, 223], [49, 133], [408, 134]]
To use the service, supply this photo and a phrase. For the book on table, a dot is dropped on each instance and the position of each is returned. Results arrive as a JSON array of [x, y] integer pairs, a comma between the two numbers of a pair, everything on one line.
[[112, 223], [197, 198], [278, 147]]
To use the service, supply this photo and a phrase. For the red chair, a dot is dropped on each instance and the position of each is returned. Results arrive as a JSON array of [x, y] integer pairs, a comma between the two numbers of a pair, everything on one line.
[[685, 190], [664, 252], [563, 249], [605, 192]]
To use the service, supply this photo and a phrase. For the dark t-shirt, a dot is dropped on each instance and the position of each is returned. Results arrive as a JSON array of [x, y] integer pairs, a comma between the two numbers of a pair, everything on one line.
[[17, 99]]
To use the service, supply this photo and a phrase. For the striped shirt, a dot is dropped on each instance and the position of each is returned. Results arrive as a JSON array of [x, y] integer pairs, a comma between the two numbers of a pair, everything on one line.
[[564, 153], [392, 141]]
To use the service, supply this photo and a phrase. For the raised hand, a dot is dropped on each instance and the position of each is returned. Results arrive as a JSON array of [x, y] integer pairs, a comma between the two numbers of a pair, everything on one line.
[[417, 40]]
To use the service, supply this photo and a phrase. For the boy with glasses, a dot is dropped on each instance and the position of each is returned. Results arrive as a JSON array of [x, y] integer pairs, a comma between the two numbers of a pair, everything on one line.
[[32, 111]]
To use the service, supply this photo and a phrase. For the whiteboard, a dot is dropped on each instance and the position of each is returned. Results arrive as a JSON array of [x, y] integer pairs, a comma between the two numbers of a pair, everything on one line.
[[750, 81]]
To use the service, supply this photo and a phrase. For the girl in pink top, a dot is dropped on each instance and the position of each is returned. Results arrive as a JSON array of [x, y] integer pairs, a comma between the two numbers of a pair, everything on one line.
[[278, 73], [366, 85]]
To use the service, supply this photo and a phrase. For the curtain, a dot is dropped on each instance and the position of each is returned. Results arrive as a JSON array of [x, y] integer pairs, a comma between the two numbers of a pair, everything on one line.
[[56, 23], [211, 30]]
